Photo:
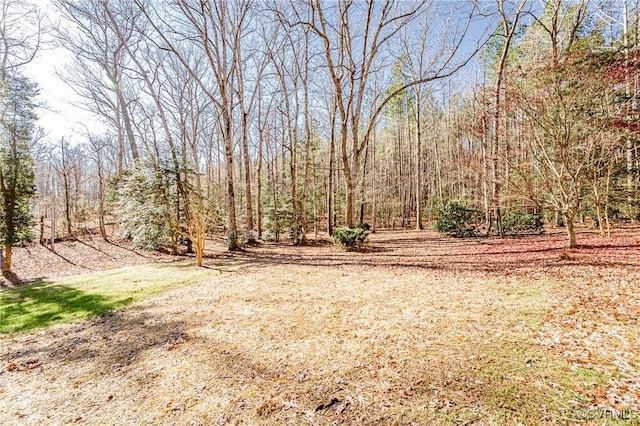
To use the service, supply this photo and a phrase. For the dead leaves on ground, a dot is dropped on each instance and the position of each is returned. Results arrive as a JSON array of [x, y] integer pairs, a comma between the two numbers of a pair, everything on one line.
[[261, 359]]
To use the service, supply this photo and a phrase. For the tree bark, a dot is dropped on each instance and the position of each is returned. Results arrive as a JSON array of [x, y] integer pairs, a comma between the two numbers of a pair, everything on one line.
[[103, 229], [330, 183], [418, 194], [6, 264], [231, 197], [41, 230], [247, 171], [259, 185], [199, 246], [571, 233]]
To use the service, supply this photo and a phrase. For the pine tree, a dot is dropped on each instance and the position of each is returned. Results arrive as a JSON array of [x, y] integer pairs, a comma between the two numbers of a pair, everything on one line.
[[145, 200], [17, 124]]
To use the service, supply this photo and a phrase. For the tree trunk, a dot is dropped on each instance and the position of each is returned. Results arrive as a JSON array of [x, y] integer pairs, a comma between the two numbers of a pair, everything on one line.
[[259, 187], [307, 145], [41, 230], [363, 186], [373, 184], [6, 264], [418, 166], [330, 183], [122, 104], [67, 203], [247, 171], [571, 233], [53, 216], [348, 179], [305, 190], [350, 201], [231, 199], [199, 247], [598, 202], [103, 229], [295, 217]]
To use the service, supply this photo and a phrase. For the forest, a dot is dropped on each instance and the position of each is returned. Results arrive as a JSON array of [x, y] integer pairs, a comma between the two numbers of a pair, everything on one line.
[[338, 172], [270, 120]]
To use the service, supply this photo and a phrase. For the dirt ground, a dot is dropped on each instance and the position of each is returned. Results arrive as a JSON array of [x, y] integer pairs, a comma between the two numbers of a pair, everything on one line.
[[77, 255], [419, 329]]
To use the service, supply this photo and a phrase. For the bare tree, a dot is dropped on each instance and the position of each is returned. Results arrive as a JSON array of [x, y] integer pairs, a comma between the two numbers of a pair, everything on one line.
[[356, 39], [21, 33], [509, 21], [100, 52]]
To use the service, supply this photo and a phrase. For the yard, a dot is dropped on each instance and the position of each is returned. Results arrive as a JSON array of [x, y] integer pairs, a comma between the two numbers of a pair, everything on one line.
[[418, 329]]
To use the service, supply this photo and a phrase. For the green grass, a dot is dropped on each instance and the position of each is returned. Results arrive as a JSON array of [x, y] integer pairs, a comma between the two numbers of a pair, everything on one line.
[[78, 297]]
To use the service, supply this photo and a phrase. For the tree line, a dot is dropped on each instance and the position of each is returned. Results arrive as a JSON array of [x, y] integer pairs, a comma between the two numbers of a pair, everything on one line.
[[270, 119]]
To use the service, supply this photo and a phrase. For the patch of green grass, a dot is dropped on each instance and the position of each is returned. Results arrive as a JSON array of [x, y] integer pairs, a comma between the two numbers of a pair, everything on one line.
[[512, 379], [78, 297]]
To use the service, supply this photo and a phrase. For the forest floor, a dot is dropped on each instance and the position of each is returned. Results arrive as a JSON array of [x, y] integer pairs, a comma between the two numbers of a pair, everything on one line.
[[79, 254], [418, 329]]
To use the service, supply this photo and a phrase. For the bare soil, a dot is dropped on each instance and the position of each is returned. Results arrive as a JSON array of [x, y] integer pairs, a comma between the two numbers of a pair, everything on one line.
[[418, 329]]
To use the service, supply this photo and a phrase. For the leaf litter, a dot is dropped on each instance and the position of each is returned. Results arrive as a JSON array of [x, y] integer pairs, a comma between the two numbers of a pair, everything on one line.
[[418, 329]]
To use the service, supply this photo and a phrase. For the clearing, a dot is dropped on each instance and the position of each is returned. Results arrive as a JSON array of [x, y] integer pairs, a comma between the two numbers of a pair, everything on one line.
[[418, 329]]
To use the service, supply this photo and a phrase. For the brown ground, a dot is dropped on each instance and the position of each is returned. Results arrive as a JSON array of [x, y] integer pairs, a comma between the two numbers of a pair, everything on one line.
[[77, 255], [419, 329]]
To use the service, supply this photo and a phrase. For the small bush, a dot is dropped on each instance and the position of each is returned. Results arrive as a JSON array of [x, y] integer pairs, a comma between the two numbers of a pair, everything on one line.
[[457, 219], [250, 237], [517, 222], [268, 236], [364, 225], [350, 238]]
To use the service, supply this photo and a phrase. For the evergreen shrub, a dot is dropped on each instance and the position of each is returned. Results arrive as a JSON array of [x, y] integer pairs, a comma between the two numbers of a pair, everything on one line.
[[458, 219], [350, 238]]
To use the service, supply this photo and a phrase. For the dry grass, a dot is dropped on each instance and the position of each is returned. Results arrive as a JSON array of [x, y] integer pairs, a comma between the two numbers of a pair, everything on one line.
[[406, 334]]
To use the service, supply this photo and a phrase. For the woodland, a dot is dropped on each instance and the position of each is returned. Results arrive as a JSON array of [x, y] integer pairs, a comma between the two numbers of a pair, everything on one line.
[[271, 120], [322, 212]]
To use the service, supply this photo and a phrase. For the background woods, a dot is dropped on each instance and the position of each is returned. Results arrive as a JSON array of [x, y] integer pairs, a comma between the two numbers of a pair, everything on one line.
[[273, 119]]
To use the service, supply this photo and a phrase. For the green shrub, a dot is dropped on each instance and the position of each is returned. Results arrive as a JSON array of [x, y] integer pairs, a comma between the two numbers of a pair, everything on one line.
[[458, 219], [364, 225], [518, 222], [350, 238], [144, 208], [277, 222]]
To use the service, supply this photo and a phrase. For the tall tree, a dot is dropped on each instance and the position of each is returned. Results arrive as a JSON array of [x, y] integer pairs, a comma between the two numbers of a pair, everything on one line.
[[17, 178], [99, 73], [20, 37], [508, 26]]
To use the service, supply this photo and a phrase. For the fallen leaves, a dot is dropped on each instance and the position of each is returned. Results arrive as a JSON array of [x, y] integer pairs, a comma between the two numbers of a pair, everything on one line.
[[26, 365], [437, 329]]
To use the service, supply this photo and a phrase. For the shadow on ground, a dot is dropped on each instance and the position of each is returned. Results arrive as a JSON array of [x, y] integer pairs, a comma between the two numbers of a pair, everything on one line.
[[113, 340], [428, 251], [39, 304]]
